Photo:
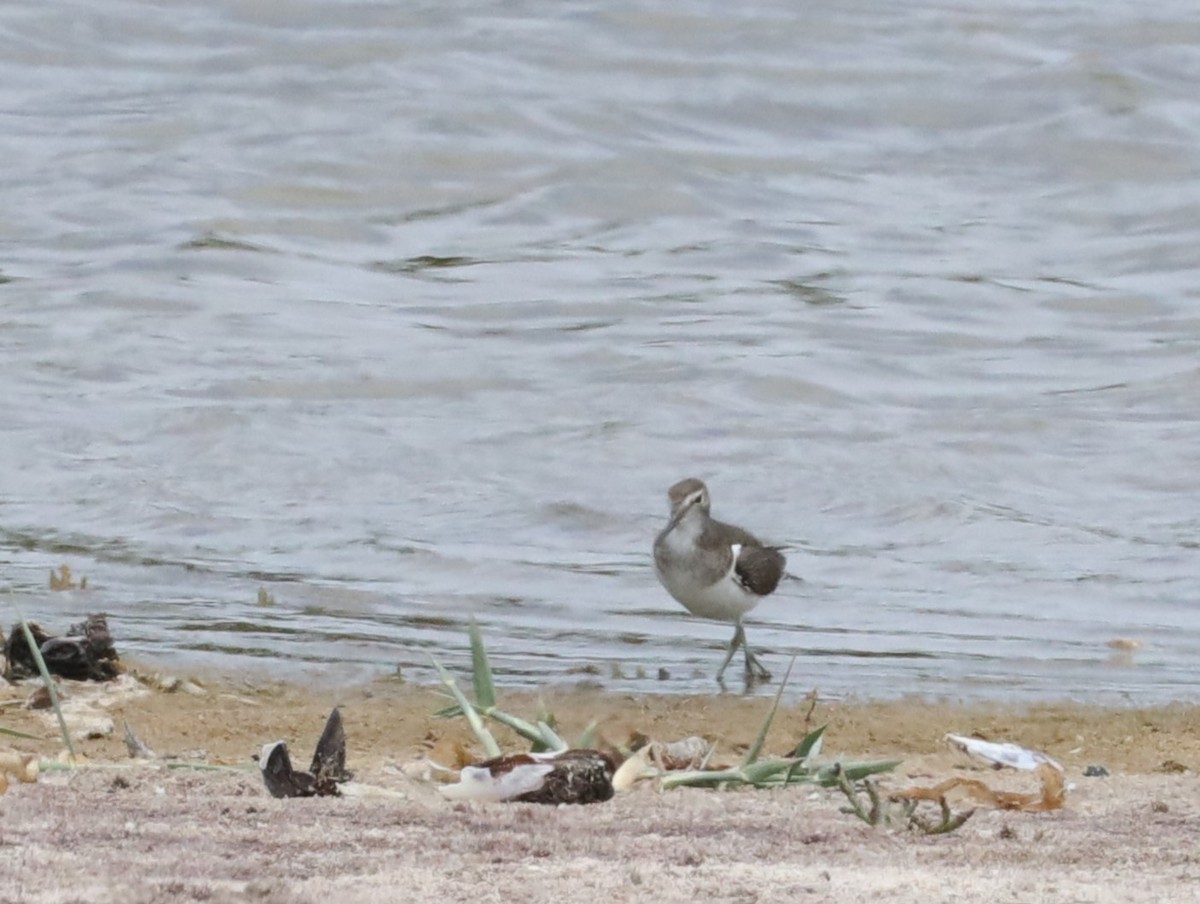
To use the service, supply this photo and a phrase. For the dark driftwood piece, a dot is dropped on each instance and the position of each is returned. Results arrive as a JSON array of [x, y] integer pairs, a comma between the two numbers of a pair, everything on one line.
[[85, 653], [327, 771]]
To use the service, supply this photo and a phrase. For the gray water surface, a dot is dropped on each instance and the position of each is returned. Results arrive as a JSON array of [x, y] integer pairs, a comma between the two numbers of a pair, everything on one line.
[[408, 314]]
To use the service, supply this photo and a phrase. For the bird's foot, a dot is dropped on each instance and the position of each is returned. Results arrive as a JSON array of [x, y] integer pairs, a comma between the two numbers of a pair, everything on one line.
[[756, 673]]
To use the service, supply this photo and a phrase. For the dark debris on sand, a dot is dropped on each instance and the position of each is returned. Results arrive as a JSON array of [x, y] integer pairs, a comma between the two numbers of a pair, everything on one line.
[[85, 653], [327, 771]]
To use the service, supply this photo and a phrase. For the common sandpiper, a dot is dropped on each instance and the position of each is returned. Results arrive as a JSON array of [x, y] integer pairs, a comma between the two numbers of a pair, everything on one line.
[[715, 570]]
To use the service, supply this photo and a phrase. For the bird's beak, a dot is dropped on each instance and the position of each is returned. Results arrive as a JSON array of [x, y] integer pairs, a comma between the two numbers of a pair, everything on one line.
[[679, 513]]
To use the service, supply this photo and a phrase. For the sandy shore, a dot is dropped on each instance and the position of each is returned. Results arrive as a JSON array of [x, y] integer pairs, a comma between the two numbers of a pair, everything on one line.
[[129, 831]]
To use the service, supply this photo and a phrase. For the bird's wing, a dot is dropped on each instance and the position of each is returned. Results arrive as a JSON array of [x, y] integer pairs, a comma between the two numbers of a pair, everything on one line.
[[488, 782], [758, 568], [329, 760], [279, 776]]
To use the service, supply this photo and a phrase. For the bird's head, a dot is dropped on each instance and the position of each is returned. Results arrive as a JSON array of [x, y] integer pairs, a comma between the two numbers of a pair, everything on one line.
[[686, 495]]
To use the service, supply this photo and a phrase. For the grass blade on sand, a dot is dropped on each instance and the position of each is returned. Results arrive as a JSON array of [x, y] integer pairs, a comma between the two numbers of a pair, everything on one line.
[[811, 744], [527, 730], [481, 670], [550, 737], [490, 747], [45, 673], [757, 746]]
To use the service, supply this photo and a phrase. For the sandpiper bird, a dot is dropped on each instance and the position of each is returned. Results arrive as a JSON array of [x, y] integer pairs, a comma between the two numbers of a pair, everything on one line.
[[561, 777], [715, 570]]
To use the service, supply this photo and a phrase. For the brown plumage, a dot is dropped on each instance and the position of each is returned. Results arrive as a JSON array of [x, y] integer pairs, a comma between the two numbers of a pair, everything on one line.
[[566, 777], [759, 568], [578, 777]]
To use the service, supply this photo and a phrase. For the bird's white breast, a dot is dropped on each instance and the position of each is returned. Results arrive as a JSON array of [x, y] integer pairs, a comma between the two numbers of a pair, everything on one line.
[[723, 600]]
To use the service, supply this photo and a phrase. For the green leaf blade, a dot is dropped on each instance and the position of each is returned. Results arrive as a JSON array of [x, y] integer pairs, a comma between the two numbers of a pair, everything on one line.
[[46, 680], [481, 670], [852, 772], [810, 745], [757, 746], [490, 747]]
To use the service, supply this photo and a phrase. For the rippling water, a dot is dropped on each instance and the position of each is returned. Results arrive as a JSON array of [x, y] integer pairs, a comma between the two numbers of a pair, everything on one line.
[[408, 315]]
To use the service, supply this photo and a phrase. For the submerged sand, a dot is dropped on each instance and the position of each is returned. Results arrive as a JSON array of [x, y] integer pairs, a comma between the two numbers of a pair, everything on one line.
[[120, 830]]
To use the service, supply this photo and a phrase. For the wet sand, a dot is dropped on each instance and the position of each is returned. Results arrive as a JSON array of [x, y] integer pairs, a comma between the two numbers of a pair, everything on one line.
[[136, 832]]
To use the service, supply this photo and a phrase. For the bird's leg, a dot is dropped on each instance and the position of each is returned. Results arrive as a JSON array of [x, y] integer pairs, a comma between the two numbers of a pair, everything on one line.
[[755, 671], [739, 638]]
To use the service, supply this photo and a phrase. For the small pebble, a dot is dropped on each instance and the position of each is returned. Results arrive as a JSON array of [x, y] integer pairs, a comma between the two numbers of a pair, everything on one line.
[[39, 699]]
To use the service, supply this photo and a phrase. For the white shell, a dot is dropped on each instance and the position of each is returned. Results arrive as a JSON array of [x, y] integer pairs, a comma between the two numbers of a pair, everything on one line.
[[1007, 754], [656, 758]]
